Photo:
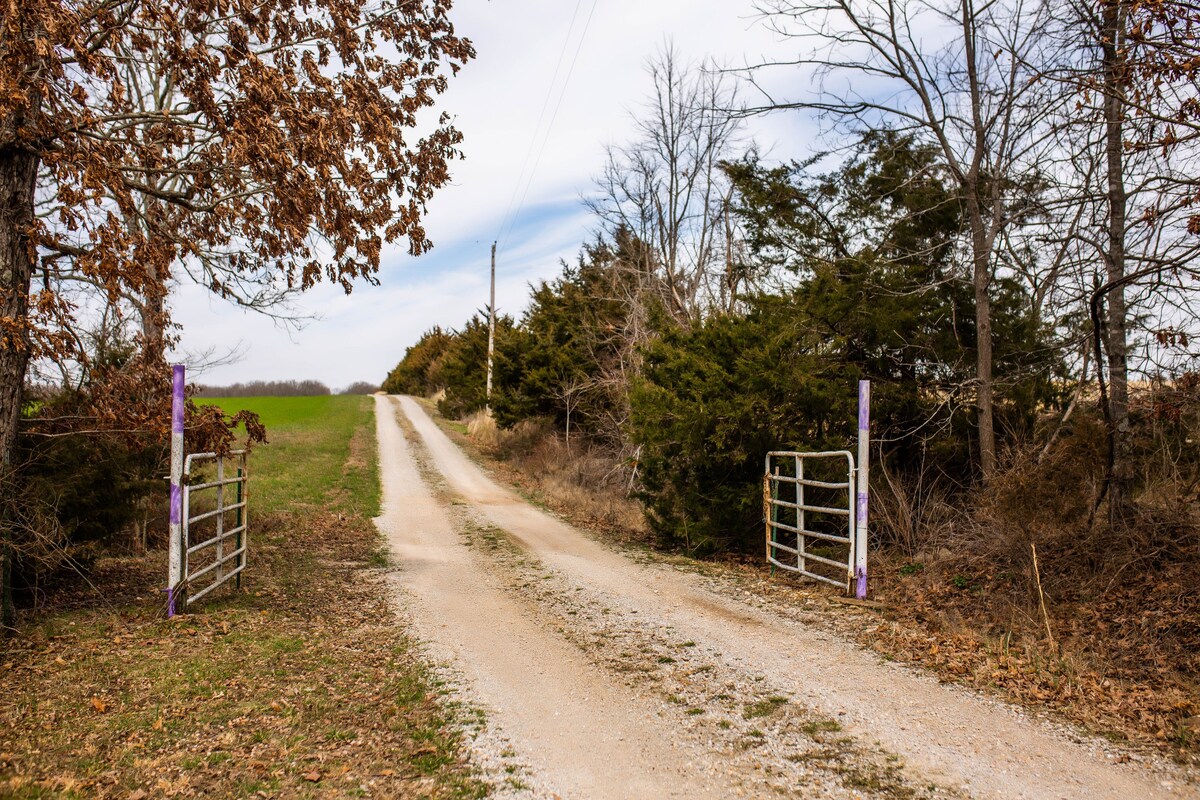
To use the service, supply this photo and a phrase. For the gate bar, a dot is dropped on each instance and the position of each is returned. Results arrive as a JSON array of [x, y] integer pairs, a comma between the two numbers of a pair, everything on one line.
[[845, 512], [218, 584], [241, 524], [829, 537], [811, 482], [213, 513], [229, 534]]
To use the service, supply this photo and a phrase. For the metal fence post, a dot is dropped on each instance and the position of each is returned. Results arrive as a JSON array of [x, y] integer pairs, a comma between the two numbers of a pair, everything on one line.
[[175, 534], [860, 517]]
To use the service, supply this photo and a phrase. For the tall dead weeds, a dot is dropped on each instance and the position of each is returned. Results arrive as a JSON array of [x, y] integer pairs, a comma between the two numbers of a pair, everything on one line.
[[1105, 624], [579, 478]]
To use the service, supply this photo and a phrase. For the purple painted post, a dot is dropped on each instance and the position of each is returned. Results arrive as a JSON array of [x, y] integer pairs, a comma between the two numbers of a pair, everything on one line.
[[860, 511], [175, 561]]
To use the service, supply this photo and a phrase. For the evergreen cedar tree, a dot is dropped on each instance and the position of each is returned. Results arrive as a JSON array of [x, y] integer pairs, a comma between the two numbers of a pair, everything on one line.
[[875, 295], [275, 137], [419, 372]]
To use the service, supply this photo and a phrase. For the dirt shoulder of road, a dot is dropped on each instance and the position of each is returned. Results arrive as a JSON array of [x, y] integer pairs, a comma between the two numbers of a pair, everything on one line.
[[301, 684], [926, 629]]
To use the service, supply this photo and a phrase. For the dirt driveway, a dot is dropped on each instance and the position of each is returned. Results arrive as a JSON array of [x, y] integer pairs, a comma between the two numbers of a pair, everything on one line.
[[605, 675]]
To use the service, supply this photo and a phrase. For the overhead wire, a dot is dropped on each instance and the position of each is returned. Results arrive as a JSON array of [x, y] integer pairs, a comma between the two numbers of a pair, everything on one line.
[[509, 223], [537, 129]]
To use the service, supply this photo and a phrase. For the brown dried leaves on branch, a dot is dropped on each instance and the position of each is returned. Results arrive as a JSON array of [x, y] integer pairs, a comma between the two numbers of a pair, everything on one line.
[[210, 429], [131, 401], [1162, 48], [268, 138]]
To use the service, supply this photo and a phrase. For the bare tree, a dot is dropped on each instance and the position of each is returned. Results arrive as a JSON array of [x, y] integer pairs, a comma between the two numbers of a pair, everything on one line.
[[961, 76], [667, 187], [153, 90], [1130, 193]]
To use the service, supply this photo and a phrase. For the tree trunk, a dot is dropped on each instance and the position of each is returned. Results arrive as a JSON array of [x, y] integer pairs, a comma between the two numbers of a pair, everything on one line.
[[152, 308], [18, 172], [981, 279], [1112, 39], [981, 253], [732, 279]]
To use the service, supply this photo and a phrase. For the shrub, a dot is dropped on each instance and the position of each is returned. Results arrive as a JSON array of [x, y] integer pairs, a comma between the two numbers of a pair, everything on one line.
[[418, 372]]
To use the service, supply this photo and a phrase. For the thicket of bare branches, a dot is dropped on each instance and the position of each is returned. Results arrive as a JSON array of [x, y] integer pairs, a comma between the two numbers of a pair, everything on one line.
[[668, 191]]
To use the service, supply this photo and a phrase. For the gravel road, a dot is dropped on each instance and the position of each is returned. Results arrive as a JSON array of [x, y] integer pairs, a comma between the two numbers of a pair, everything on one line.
[[602, 676]]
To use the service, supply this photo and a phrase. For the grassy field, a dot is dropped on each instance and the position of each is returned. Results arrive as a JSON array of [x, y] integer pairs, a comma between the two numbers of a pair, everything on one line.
[[321, 449], [299, 685]]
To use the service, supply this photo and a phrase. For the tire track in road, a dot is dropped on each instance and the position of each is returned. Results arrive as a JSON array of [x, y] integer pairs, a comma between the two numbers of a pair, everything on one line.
[[947, 734], [584, 734]]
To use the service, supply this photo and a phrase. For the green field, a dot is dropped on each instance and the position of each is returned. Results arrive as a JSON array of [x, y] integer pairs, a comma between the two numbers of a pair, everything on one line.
[[320, 449]]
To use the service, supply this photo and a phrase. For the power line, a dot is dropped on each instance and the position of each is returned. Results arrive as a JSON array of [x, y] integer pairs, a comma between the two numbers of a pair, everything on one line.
[[550, 128], [541, 115]]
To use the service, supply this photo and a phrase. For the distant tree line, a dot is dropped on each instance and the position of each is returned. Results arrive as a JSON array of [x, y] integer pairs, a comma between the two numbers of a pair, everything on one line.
[[361, 387], [305, 388]]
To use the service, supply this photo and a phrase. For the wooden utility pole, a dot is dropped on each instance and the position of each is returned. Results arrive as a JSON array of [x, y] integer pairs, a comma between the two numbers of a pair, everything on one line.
[[491, 330]]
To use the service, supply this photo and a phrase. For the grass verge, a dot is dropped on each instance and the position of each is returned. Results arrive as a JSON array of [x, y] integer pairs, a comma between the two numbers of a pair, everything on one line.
[[299, 685]]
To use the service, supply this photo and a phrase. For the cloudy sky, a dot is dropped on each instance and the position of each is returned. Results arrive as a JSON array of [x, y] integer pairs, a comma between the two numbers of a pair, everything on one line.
[[497, 102]]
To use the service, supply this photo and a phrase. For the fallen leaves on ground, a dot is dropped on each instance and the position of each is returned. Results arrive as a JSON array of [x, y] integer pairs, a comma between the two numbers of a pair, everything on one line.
[[1138, 688], [299, 685]]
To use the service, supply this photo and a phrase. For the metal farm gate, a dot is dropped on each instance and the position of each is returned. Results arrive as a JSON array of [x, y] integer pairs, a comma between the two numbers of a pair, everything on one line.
[[215, 535], [810, 520], [208, 530], [815, 510]]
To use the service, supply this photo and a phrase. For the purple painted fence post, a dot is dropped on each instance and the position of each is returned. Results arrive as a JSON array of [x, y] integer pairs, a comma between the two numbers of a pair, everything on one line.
[[860, 515], [175, 569]]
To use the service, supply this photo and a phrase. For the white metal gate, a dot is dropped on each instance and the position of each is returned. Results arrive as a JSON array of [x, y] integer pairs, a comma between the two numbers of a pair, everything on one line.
[[815, 509], [214, 524], [810, 521]]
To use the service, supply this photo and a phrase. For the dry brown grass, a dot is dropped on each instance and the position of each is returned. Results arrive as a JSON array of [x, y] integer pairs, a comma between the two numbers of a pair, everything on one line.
[[583, 482], [302, 686], [1104, 625]]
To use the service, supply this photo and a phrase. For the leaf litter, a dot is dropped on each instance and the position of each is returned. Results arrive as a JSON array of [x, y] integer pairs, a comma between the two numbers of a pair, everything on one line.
[[302, 684]]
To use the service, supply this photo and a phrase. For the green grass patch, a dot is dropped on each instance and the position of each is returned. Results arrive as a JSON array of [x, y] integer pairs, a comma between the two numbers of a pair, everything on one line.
[[821, 726], [764, 708], [320, 450]]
